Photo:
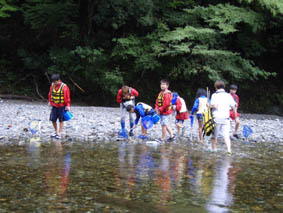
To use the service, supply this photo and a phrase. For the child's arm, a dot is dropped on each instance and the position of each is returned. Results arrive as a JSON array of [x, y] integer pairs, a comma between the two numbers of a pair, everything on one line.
[[49, 95], [134, 93], [195, 106], [137, 118], [67, 97], [156, 105], [213, 102], [119, 96], [178, 105]]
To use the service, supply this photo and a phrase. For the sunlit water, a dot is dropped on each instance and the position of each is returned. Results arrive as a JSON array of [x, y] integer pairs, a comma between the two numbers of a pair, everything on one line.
[[138, 177]]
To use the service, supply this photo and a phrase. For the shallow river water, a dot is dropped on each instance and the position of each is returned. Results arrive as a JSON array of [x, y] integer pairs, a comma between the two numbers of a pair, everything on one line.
[[136, 177]]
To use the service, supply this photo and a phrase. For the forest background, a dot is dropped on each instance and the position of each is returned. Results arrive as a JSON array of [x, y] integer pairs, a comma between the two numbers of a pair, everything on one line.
[[97, 46]]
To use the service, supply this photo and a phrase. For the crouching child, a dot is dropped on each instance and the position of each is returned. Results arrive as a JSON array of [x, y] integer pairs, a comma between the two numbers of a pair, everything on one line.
[[141, 110]]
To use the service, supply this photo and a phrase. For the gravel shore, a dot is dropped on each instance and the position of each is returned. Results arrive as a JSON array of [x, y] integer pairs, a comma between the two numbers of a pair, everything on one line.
[[103, 124]]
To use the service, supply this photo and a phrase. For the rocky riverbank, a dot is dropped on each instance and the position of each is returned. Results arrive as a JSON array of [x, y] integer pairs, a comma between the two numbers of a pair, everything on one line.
[[103, 123]]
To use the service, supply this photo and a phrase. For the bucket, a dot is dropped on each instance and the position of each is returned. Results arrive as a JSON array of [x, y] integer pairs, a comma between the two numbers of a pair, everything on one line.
[[67, 115], [147, 122], [155, 118]]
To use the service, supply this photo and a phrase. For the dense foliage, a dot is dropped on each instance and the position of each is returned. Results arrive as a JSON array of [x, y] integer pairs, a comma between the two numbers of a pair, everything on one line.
[[97, 46]]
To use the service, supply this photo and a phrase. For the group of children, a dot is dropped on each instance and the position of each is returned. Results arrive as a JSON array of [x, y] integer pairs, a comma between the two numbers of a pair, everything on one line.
[[224, 107]]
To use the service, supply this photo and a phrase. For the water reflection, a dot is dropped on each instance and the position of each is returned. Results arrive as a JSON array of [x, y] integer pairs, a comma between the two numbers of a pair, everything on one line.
[[169, 170], [57, 176], [33, 148], [133, 177], [221, 197]]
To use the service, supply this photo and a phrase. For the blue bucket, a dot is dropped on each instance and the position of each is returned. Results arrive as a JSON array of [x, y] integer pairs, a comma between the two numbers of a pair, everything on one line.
[[67, 115], [155, 118], [147, 122]]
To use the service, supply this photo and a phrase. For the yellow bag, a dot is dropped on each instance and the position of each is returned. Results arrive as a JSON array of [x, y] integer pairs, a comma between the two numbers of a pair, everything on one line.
[[208, 122]]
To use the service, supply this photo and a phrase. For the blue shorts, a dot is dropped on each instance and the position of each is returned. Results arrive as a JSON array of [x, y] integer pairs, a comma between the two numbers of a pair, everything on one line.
[[199, 117], [178, 121], [57, 113], [151, 112]]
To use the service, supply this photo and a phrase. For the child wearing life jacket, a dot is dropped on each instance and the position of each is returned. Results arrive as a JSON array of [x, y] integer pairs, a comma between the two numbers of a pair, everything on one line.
[[126, 96], [163, 107], [221, 103], [59, 99], [141, 110], [233, 91], [179, 105], [200, 106]]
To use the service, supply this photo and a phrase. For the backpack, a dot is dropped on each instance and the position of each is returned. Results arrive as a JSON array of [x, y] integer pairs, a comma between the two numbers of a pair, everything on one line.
[[208, 122]]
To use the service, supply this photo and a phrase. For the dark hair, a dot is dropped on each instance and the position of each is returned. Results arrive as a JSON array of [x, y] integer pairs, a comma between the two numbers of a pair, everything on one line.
[[129, 107], [219, 84], [164, 81], [233, 86], [201, 92], [55, 77]]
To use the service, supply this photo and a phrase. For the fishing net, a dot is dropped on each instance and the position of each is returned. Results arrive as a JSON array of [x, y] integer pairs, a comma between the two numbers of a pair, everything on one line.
[[247, 131], [34, 126]]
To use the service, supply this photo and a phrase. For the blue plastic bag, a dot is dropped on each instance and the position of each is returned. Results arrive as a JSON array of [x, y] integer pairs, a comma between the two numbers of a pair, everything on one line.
[[247, 131]]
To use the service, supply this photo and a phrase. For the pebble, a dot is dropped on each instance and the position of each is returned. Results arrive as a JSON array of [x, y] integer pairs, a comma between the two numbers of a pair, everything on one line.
[[103, 123]]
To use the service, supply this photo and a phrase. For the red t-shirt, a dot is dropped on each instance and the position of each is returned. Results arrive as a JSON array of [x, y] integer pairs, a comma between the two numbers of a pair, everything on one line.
[[236, 99], [120, 94]]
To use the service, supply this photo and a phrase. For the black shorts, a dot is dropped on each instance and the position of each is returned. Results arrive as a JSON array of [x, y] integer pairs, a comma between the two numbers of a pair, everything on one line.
[[57, 113]]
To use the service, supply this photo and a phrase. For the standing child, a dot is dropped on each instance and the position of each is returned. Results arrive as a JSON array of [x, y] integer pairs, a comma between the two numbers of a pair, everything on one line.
[[221, 103], [141, 110], [233, 91], [126, 96], [59, 99], [200, 106], [163, 107], [181, 111]]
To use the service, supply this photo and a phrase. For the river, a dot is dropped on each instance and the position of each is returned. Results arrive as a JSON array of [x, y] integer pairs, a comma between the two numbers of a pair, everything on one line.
[[57, 176]]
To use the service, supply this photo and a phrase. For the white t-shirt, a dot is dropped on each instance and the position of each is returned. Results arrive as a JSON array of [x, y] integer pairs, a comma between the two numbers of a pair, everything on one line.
[[223, 102]]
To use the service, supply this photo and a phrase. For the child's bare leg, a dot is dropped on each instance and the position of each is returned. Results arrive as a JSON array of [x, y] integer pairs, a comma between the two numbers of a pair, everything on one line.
[[61, 128], [237, 121], [179, 128], [144, 132], [228, 143], [55, 127], [200, 131], [164, 129], [169, 131], [213, 143]]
